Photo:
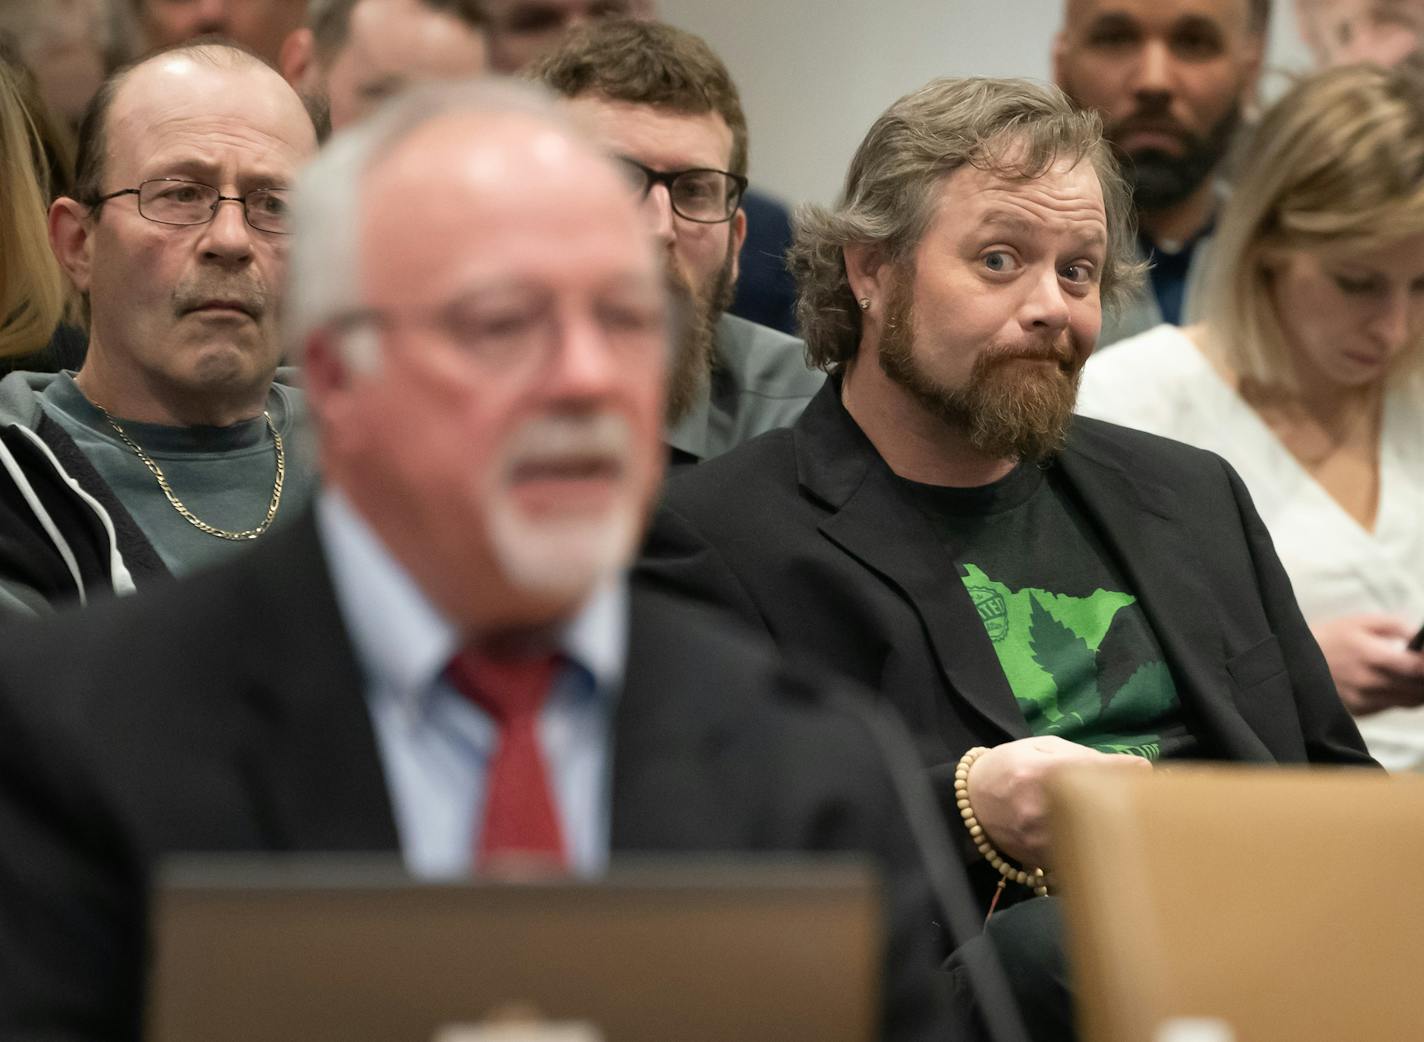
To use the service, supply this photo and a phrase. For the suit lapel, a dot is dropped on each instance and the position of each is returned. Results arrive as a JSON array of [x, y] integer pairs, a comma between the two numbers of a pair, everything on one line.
[[873, 522], [314, 763], [671, 773], [1140, 523]]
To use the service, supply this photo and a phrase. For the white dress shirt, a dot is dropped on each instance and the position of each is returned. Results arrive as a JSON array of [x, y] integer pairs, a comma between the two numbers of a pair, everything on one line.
[[436, 746]]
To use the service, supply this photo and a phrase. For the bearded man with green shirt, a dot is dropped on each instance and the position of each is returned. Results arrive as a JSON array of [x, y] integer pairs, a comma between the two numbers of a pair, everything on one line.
[[172, 447], [1027, 588]]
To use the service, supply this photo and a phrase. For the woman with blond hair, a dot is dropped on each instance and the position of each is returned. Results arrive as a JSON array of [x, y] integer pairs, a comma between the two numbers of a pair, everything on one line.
[[1306, 375], [32, 292]]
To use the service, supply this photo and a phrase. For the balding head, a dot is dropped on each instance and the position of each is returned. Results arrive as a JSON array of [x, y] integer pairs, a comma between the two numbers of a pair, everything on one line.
[[174, 69], [485, 334]]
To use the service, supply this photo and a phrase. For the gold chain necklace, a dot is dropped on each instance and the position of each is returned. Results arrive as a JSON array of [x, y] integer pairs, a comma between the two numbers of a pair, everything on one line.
[[188, 515]]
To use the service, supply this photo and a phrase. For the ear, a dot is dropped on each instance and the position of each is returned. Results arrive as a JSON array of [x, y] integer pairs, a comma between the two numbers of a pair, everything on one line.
[[868, 272], [324, 373], [739, 236], [297, 58], [71, 240]]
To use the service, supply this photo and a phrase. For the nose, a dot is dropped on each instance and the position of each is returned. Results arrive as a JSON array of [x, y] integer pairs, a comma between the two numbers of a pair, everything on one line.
[[1154, 71], [1045, 309], [657, 209], [1396, 320], [583, 367], [227, 238]]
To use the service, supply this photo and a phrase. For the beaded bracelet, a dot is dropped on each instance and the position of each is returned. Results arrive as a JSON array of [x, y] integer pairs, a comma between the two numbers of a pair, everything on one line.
[[1009, 873]]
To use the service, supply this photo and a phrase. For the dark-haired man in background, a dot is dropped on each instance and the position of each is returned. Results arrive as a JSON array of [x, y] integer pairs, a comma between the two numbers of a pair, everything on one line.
[[667, 107], [1170, 79]]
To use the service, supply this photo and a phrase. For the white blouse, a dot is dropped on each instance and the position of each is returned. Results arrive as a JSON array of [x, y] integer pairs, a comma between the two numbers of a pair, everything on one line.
[[1160, 382]]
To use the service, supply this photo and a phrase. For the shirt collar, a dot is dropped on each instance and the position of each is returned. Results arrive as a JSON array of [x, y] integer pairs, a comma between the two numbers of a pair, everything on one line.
[[402, 640]]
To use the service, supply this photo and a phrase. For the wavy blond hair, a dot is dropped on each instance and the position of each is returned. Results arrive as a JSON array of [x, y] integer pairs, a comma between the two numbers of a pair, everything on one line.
[[1337, 162], [1015, 128], [32, 291]]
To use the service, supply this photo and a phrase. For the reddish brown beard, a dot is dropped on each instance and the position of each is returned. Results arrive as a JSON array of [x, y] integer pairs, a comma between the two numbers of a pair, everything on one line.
[[695, 352], [1005, 410]]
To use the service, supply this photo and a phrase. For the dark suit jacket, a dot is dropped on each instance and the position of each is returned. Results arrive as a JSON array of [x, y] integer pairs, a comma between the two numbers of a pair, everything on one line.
[[225, 713], [804, 534]]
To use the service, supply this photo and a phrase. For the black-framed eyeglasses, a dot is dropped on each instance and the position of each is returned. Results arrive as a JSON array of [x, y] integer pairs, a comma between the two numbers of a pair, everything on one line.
[[173, 200], [702, 195]]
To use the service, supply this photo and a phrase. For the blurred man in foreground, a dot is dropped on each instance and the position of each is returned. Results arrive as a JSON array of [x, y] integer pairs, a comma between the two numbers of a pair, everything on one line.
[[442, 660]]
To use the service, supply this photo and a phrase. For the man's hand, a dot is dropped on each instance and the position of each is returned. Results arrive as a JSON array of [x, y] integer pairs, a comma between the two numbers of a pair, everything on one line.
[[1006, 791], [1373, 669]]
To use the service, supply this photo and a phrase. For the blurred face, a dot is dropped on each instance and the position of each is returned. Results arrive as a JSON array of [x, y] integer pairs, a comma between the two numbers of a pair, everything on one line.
[[991, 326], [1380, 31], [261, 25], [701, 258], [521, 30], [508, 446], [393, 43], [1168, 77], [1350, 314], [190, 311]]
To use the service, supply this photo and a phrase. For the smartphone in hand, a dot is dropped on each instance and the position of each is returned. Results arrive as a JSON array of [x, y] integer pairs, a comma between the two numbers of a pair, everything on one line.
[[1416, 642]]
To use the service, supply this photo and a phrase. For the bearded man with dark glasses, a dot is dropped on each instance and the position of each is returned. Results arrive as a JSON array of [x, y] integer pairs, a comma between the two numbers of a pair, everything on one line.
[[172, 446], [666, 106]]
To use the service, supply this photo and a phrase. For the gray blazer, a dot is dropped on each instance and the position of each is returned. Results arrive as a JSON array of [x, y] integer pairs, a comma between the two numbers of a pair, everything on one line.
[[760, 381]]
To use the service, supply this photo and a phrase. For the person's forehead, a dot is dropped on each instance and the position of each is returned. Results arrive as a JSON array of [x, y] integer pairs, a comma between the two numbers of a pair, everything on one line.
[[507, 178], [404, 29], [177, 95], [259, 9], [505, 10], [1067, 195], [1230, 14], [648, 133]]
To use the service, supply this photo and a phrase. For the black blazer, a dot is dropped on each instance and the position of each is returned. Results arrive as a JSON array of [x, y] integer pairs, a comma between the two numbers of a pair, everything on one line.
[[225, 713], [804, 534]]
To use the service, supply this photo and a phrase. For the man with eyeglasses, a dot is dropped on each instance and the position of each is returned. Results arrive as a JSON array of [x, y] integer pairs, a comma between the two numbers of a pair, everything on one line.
[[668, 109], [172, 447]]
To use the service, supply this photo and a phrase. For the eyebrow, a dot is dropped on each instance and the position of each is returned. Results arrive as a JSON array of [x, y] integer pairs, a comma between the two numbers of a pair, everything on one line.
[[201, 169], [1005, 219], [1016, 223]]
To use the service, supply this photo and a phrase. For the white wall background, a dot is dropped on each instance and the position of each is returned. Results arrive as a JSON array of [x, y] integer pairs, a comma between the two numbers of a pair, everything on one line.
[[814, 74]]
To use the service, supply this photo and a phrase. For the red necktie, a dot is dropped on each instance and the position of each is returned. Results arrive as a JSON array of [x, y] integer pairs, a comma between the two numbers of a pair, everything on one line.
[[520, 821]]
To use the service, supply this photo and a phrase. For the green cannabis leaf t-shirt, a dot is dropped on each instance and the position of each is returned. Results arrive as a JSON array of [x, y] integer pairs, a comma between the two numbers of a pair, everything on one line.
[[1078, 653]]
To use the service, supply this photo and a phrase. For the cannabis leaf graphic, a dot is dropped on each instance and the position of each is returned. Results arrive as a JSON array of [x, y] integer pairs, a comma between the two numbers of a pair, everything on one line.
[[1071, 664], [1082, 693]]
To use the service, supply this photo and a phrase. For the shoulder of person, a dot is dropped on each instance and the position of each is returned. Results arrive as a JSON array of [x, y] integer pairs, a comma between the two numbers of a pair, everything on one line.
[[20, 397], [1136, 451], [1145, 380], [765, 359]]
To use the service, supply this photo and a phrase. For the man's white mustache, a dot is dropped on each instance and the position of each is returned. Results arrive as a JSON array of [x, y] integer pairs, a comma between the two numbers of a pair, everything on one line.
[[563, 439]]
